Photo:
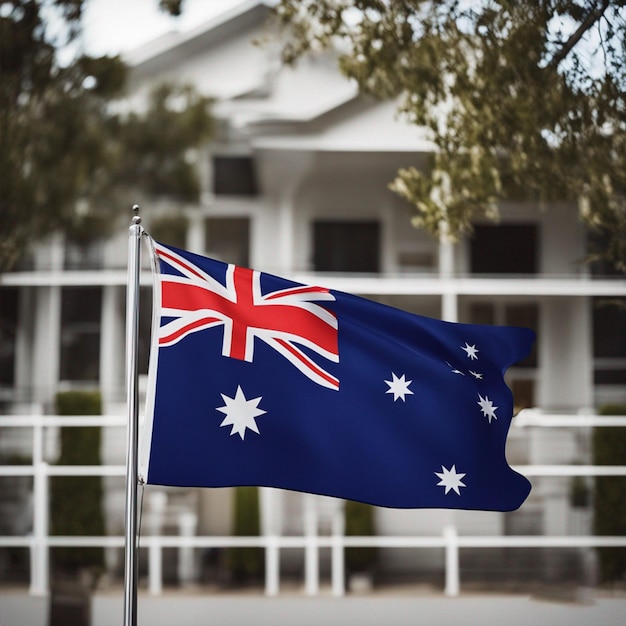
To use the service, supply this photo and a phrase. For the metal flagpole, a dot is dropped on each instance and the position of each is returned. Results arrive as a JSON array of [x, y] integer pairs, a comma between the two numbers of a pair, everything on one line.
[[132, 377]]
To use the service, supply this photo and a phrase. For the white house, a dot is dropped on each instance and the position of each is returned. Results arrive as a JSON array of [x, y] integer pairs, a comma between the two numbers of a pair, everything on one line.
[[295, 182]]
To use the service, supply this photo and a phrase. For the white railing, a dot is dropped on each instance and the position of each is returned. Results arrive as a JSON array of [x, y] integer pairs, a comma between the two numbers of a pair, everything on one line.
[[40, 542]]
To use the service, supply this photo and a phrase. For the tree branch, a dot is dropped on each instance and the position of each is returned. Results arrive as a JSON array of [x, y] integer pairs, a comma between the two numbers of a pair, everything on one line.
[[594, 15]]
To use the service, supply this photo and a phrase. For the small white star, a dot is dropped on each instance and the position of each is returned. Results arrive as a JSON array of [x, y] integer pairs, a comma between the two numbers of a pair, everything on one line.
[[240, 413], [454, 370], [450, 480], [486, 406], [399, 387], [476, 375], [472, 351]]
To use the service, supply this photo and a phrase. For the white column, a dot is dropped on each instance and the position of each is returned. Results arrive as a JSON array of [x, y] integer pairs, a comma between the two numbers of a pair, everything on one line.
[[46, 349], [271, 510], [449, 298], [24, 343], [112, 344], [272, 566], [196, 239], [338, 573], [564, 341], [282, 175], [311, 553], [452, 561], [187, 524], [40, 552]]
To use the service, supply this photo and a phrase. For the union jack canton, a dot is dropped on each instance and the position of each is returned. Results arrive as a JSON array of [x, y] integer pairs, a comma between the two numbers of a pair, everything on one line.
[[284, 319]]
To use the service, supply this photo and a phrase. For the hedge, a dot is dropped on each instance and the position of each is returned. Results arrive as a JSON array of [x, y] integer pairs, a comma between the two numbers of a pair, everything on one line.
[[609, 448], [76, 501]]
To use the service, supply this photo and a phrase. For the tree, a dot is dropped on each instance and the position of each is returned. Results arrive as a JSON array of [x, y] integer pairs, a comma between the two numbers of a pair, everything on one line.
[[68, 159], [521, 99]]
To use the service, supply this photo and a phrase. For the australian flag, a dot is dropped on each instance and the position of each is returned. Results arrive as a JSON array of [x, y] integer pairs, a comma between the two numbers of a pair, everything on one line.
[[257, 380]]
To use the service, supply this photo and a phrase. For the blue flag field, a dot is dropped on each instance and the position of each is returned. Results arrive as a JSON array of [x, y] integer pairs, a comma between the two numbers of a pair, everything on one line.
[[257, 380]]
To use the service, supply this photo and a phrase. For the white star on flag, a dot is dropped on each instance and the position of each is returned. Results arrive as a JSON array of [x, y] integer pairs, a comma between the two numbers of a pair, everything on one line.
[[450, 480], [399, 387], [454, 370], [240, 413], [476, 375], [486, 406], [472, 351]]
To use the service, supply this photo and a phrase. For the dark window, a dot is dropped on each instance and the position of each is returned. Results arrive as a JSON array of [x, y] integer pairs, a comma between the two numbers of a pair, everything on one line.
[[8, 327], [346, 246], [482, 313], [228, 239], [80, 333], [609, 377], [504, 249], [234, 176], [609, 328]]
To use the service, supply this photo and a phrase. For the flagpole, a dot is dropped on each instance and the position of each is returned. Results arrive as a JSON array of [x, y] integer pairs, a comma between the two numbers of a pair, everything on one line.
[[132, 377]]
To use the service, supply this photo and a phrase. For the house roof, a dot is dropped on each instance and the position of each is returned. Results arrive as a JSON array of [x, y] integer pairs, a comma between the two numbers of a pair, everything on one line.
[[310, 106]]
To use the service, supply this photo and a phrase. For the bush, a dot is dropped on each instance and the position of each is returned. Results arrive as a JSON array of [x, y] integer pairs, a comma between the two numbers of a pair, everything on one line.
[[609, 448], [360, 522], [246, 564], [76, 501]]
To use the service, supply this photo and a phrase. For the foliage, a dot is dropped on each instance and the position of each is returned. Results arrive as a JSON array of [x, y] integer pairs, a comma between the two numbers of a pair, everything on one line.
[[76, 501], [69, 157], [609, 448], [49, 121], [360, 522], [246, 563], [521, 99]]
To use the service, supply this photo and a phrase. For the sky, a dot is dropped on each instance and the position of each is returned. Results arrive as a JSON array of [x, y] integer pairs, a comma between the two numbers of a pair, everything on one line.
[[117, 26]]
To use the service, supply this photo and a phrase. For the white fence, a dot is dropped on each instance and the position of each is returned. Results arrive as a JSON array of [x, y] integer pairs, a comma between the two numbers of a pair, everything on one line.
[[39, 541]]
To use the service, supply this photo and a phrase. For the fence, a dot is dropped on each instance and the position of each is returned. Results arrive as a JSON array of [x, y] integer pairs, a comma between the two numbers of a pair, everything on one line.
[[40, 542]]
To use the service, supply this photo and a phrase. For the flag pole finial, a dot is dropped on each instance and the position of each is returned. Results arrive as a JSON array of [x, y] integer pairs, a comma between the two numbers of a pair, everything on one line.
[[136, 216]]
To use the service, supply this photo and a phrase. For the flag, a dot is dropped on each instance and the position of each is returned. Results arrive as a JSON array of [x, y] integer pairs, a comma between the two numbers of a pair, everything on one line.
[[258, 380]]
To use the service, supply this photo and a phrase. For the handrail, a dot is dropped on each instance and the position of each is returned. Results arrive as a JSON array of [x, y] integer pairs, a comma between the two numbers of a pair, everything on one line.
[[40, 542]]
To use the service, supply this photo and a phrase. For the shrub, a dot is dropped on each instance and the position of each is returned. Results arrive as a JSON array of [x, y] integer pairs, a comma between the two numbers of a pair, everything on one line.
[[609, 448], [76, 501], [360, 522], [246, 564]]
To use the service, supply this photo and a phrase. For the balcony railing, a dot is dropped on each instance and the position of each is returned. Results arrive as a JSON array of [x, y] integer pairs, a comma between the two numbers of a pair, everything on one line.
[[39, 542]]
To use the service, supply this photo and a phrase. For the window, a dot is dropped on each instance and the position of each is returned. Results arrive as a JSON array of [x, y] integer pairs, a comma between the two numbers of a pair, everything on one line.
[[504, 249], [609, 328], [234, 176], [228, 239], [609, 341], [346, 246], [80, 333], [8, 327]]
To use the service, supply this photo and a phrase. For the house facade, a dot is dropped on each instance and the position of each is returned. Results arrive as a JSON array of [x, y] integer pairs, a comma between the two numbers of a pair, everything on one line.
[[295, 182]]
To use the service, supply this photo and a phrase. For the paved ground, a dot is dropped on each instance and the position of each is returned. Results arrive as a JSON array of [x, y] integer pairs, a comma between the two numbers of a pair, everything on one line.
[[399, 607]]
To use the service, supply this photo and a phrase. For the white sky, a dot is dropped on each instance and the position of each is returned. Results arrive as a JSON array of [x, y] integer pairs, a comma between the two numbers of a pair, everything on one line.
[[116, 26]]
